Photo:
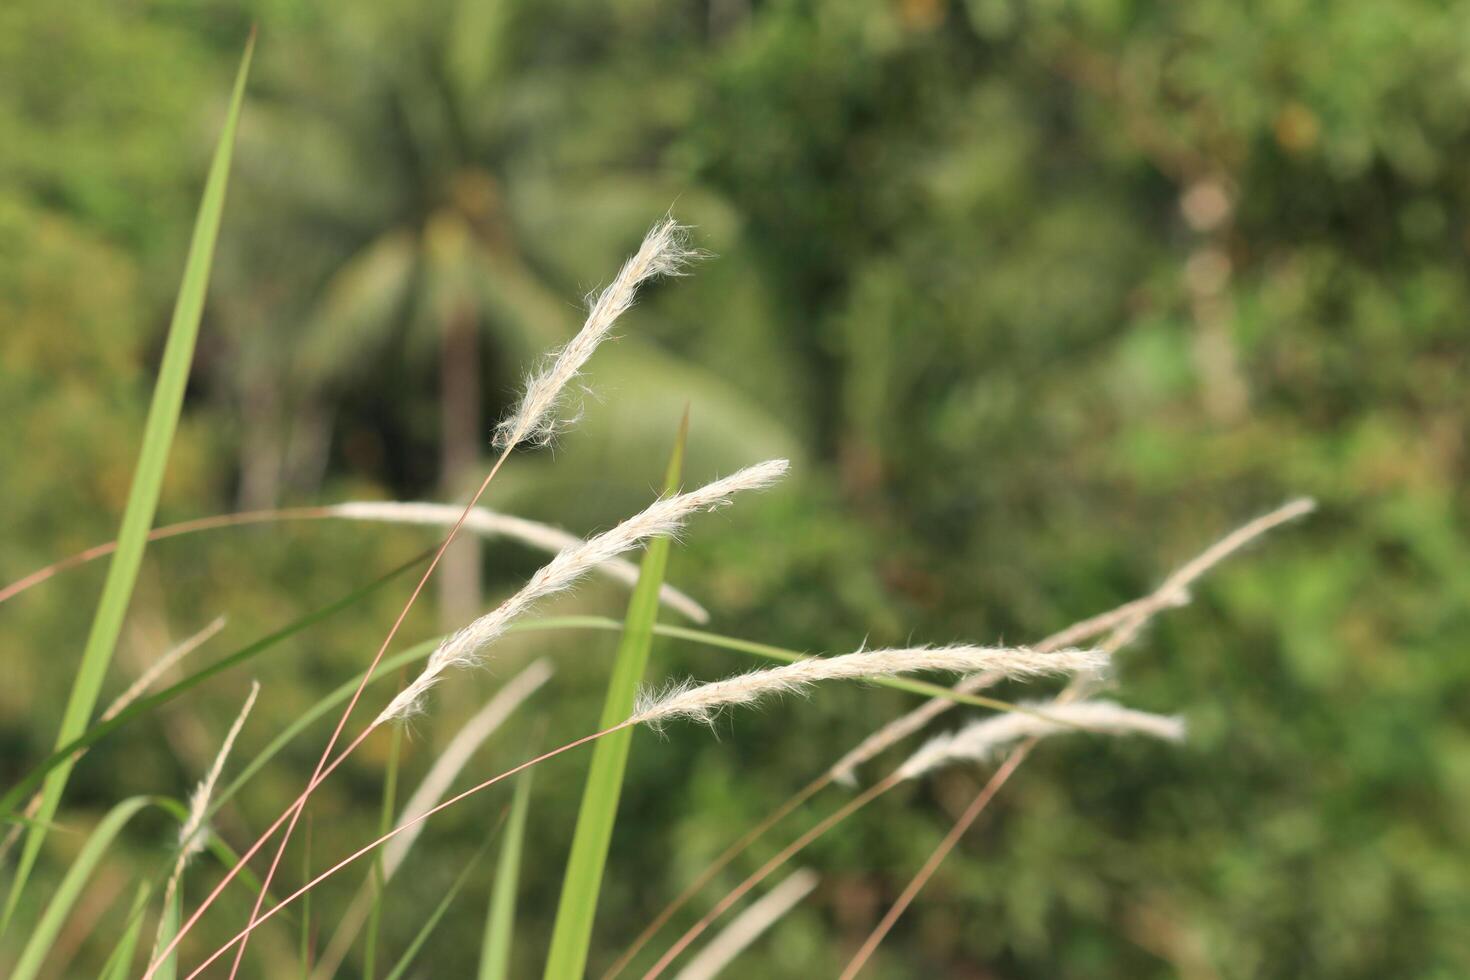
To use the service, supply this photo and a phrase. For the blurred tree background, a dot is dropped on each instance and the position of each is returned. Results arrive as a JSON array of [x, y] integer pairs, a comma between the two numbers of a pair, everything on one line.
[[1041, 296]]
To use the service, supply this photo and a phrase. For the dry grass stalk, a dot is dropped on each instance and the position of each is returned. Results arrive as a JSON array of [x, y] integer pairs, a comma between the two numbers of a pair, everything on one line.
[[980, 740], [1174, 591], [489, 523], [158, 667], [664, 252], [1126, 621], [430, 791], [702, 702], [664, 517], [748, 926], [843, 770], [464, 744], [192, 834]]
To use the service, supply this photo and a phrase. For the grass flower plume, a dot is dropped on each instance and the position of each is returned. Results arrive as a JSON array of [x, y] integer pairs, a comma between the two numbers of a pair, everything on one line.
[[664, 517], [981, 740], [701, 702], [664, 252]]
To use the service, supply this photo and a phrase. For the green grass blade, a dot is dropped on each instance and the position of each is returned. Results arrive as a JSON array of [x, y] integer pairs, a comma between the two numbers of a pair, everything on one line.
[[120, 960], [427, 929], [158, 434], [385, 823], [18, 793], [168, 927], [500, 921], [571, 937], [43, 936]]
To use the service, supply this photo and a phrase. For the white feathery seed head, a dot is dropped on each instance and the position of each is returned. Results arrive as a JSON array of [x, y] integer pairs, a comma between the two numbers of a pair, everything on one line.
[[981, 740], [1123, 623], [191, 835], [488, 523], [665, 252], [702, 702], [663, 518]]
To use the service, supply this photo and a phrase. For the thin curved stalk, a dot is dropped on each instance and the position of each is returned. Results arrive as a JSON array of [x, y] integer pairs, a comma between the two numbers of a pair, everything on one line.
[[484, 522]]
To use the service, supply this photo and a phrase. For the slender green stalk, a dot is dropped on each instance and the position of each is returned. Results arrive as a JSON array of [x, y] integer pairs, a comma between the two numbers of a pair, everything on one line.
[[385, 822], [158, 434], [167, 926], [571, 936], [120, 960], [43, 934], [500, 920], [427, 929]]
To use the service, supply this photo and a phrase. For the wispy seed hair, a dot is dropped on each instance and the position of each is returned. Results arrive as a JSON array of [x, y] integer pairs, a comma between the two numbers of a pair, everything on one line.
[[1125, 622], [981, 740], [703, 702], [191, 835], [663, 518], [665, 252]]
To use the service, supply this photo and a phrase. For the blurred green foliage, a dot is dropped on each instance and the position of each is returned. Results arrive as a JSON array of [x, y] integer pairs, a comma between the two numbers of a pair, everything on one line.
[[1043, 297]]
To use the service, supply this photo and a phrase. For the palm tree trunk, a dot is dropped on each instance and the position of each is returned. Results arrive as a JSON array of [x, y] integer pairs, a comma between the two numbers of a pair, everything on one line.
[[459, 402]]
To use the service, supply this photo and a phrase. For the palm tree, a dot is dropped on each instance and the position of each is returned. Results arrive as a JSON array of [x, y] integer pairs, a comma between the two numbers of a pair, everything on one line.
[[419, 223]]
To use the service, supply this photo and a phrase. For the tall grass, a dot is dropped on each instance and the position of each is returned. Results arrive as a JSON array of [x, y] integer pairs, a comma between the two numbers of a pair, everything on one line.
[[132, 538], [629, 702]]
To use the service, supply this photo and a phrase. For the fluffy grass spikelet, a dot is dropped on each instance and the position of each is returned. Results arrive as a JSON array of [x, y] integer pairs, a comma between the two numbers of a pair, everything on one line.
[[702, 702], [663, 518], [981, 740], [191, 835], [665, 252]]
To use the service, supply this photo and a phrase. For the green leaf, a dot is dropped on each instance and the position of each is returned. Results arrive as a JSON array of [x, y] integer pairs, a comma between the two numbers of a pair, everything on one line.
[[500, 921], [572, 935], [21, 790], [167, 928], [385, 822], [427, 929], [158, 434], [43, 936], [119, 962]]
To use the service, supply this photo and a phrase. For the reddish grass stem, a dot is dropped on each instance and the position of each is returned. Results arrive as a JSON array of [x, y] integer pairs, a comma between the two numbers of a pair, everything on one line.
[[917, 883], [352, 702], [322, 769], [402, 827], [158, 534], [767, 869], [708, 874]]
